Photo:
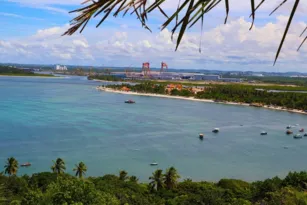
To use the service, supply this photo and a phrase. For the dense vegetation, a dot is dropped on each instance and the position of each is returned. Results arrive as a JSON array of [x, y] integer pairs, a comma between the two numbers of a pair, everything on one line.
[[281, 80], [231, 92], [164, 188], [5, 70], [247, 94]]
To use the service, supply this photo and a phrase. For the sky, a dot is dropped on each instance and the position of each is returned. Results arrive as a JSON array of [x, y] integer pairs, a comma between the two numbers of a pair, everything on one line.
[[31, 32]]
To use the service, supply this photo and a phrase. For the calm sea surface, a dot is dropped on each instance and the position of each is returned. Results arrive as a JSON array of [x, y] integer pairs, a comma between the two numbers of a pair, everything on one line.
[[42, 119]]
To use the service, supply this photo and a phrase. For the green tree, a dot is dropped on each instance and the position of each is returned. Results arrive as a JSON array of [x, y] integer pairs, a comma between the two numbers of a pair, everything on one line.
[[32, 197], [58, 166], [156, 180], [123, 175], [72, 191], [80, 169], [133, 179], [11, 166], [170, 178]]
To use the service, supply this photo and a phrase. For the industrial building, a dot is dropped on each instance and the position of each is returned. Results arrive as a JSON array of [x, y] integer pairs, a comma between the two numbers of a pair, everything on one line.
[[59, 67], [200, 77]]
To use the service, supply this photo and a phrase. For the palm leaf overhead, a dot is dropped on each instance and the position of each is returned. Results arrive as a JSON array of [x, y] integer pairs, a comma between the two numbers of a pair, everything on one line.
[[190, 12]]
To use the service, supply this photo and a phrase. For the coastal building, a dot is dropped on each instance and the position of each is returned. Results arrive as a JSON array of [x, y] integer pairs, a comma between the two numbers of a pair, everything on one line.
[[199, 77], [59, 67]]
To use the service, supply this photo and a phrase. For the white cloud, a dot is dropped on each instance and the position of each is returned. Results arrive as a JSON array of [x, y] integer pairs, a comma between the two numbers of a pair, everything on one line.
[[18, 16], [230, 46]]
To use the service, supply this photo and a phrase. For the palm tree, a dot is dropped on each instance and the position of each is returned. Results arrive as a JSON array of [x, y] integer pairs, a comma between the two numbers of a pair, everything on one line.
[[156, 180], [133, 179], [11, 166], [80, 169], [123, 175], [170, 178], [58, 166], [183, 17]]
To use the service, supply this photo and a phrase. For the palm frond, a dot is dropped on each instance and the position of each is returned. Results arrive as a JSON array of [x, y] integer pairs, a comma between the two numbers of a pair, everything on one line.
[[190, 11]]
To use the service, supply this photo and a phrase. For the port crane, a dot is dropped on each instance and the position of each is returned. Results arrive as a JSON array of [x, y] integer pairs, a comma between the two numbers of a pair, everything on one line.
[[164, 67], [146, 69]]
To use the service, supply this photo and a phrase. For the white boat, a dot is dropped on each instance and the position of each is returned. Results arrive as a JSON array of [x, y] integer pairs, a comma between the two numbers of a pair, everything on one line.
[[263, 133], [297, 136], [201, 136], [154, 164], [289, 127], [216, 130]]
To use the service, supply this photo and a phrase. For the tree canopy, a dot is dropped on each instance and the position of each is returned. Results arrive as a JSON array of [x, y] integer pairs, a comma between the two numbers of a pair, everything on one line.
[[187, 13]]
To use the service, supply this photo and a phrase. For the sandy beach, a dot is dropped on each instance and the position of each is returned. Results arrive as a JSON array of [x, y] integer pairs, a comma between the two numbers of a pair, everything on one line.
[[100, 88]]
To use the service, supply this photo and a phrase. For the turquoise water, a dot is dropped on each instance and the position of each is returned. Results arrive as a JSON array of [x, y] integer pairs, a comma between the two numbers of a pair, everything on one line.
[[42, 119]]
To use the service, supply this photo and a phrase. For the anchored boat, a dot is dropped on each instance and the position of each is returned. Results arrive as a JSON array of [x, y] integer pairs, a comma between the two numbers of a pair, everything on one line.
[[130, 101], [216, 130], [301, 130], [289, 132], [26, 164], [263, 133], [201, 136], [297, 136], [154, 164]]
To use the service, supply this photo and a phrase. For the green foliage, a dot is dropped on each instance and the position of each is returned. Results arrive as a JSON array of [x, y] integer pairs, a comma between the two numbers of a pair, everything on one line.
[[156, 180], [144, 87], [11, 166], [163, 189], [239, 188], [10, 71], [42, 180], [80, 169], [72, 191], [58, 166], [123, 175], [133, 179], [171, 177], [296, 179], [261, 188], [184, 93], [32, 197], [281, 80], [232, 93]]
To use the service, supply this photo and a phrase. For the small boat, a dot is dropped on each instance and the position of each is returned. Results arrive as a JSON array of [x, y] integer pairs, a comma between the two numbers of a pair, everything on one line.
[[216, 130], [297, 136], [201, 136], [263, 133], [154, 164], [26, 164], [301, 130], [289, 127], [130, 101], [305, 135], [289, 132]]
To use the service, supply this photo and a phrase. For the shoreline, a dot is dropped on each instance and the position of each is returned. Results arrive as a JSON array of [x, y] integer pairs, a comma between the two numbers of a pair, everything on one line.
[[195, 99], [23, 76]]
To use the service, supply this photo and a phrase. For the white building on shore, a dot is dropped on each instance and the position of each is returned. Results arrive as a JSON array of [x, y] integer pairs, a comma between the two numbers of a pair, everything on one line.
[[59, 67]]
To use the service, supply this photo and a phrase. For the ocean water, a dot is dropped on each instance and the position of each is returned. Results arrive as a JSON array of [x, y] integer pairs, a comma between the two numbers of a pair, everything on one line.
[[43, 118]]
